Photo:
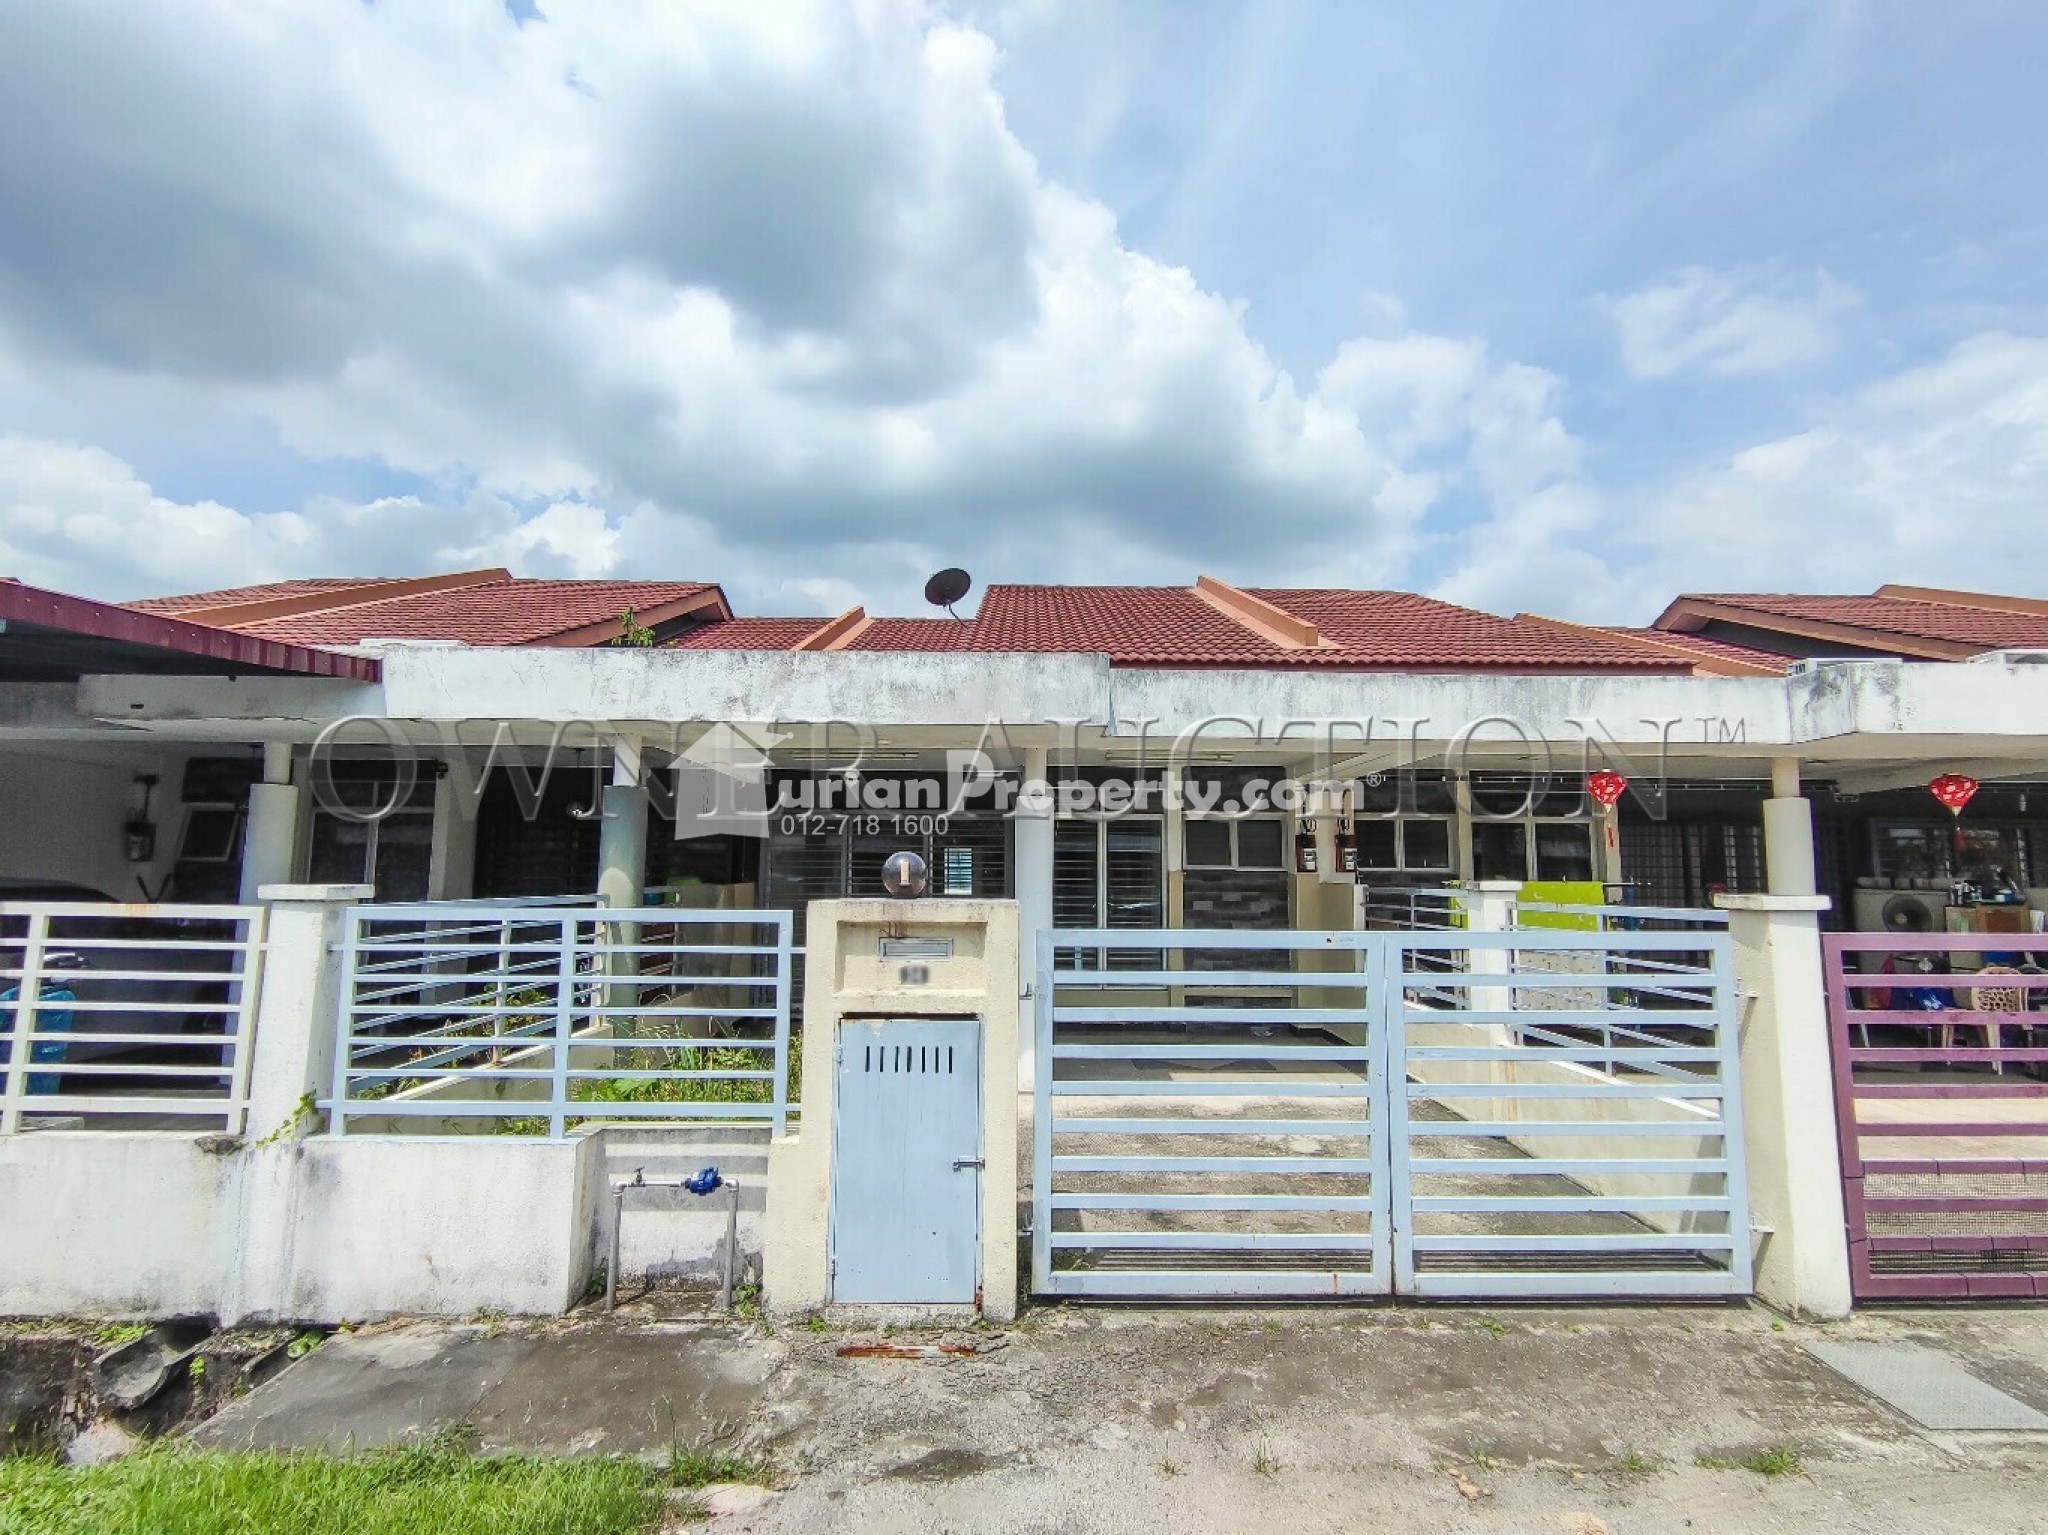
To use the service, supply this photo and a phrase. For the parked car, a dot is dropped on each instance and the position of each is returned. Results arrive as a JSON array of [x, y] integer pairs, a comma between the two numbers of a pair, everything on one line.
[[164, 983]]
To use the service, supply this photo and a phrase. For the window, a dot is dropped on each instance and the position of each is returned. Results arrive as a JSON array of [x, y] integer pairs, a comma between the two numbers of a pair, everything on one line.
[[1109, 873], [1258, 842], [1422, 845], [213, 834], [395, 854], [1533, 849], [392, 853]]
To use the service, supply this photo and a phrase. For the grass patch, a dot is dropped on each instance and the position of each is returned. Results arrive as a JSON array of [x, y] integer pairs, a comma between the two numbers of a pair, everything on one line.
[[438, 1488], [1636, 1463], [691, 1469], [1773, 1460]]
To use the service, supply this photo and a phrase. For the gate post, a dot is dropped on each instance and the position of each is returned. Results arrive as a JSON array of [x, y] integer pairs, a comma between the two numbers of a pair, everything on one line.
[[1793, 1143], [292, 1060]]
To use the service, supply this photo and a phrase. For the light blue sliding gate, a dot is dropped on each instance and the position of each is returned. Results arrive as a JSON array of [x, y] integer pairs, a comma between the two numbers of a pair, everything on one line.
[[1326, 1114]]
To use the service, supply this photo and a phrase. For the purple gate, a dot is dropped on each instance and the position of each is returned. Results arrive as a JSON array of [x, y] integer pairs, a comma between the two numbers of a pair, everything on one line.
[[1941, 1085]]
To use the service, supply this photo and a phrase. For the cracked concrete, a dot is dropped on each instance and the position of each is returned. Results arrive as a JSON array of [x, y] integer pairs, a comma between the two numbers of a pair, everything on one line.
[[1368, 1418]]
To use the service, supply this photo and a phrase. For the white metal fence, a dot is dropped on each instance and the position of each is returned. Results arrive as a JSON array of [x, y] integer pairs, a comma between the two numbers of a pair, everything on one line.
[[533, 1019], [127, 1016]]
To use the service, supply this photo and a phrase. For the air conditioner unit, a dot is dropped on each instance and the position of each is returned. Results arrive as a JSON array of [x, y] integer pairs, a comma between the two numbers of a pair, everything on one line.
[[1901, 911]]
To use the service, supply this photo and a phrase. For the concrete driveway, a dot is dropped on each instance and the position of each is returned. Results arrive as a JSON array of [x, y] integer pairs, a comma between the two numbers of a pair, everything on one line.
[[1376, 1418]]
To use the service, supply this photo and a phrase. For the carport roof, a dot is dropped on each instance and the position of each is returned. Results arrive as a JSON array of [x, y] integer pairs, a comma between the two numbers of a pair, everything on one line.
[[50, 636]]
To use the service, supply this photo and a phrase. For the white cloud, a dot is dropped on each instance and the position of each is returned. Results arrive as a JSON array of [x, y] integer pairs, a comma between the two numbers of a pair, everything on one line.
[[1726, 323], [765, 294], [1922, 477]]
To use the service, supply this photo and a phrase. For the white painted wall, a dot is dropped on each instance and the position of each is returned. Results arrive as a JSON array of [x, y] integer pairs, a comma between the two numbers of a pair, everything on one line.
[[63, 816], [115, 1224]]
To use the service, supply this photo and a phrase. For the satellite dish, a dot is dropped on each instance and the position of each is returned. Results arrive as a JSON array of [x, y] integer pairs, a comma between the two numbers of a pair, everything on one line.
[[947, 588]]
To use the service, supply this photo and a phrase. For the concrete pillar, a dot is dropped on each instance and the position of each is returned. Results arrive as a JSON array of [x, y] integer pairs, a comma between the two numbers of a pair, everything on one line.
[[622, 835], [270, 841], [297, 1019], [1489, 906], [1033, 884], [1788, 1107], [1788, 833], [452, 873]]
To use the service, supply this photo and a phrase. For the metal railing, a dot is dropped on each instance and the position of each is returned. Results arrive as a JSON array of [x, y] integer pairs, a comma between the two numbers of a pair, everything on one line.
[[1413, 908], [1940, 1046], [144, 1015], [540, 1019]]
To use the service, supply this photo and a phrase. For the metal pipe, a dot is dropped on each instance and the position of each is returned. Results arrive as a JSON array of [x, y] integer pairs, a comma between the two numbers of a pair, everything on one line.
[[729, 1277], [732, 1247]]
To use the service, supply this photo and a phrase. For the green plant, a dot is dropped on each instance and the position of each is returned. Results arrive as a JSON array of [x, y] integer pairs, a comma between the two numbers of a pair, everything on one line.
[[1264, 1462], [1168, 1466], [1483, 1461], [304, 1345], [114, 1334], [1636, 1463], [1773, 1460], [634, 635], [1494, 1329], [434, 1488], [197, 1369], [816, 1322], [302, 1111]]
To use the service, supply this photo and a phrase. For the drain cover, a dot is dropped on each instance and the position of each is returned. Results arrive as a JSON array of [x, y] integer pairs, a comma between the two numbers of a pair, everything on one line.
[[1930, 1388]]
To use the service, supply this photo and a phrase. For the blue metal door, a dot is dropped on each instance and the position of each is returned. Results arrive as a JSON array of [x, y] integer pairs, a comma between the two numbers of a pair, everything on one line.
[[906, 1161]]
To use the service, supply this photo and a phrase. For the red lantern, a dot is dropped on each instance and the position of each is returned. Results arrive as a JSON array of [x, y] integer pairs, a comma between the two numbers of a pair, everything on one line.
[[1606, 786], [1954, 790]]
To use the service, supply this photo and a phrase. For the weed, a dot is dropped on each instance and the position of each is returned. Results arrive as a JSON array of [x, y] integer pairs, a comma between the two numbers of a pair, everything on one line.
[[114, 1334], [492, 1322], [1636, 1463], [1168, 1466], [1494, 1328], [1775, 1460], [816, 1322], [1483, 1461], [1263, 1460], [746, 1300], [690, 1469], [303, 1345], [197, 1369]]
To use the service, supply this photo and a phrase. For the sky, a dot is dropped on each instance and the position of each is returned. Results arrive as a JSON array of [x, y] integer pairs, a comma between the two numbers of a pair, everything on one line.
[[1562, 308]]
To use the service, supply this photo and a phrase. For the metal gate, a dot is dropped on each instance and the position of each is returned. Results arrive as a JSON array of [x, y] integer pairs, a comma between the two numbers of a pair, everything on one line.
[[1940, 1058], [1238, 1114]]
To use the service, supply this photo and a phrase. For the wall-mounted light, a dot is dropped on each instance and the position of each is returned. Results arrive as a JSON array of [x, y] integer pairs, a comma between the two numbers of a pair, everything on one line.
[[141, 827]]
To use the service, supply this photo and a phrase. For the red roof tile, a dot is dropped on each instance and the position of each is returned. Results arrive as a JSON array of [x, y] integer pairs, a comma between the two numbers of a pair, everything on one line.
[[914, 634], [237, 595], [1403, 629], [514, 612], [1701, 644], [1947, 622], [1173, 626], [748, 634]]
